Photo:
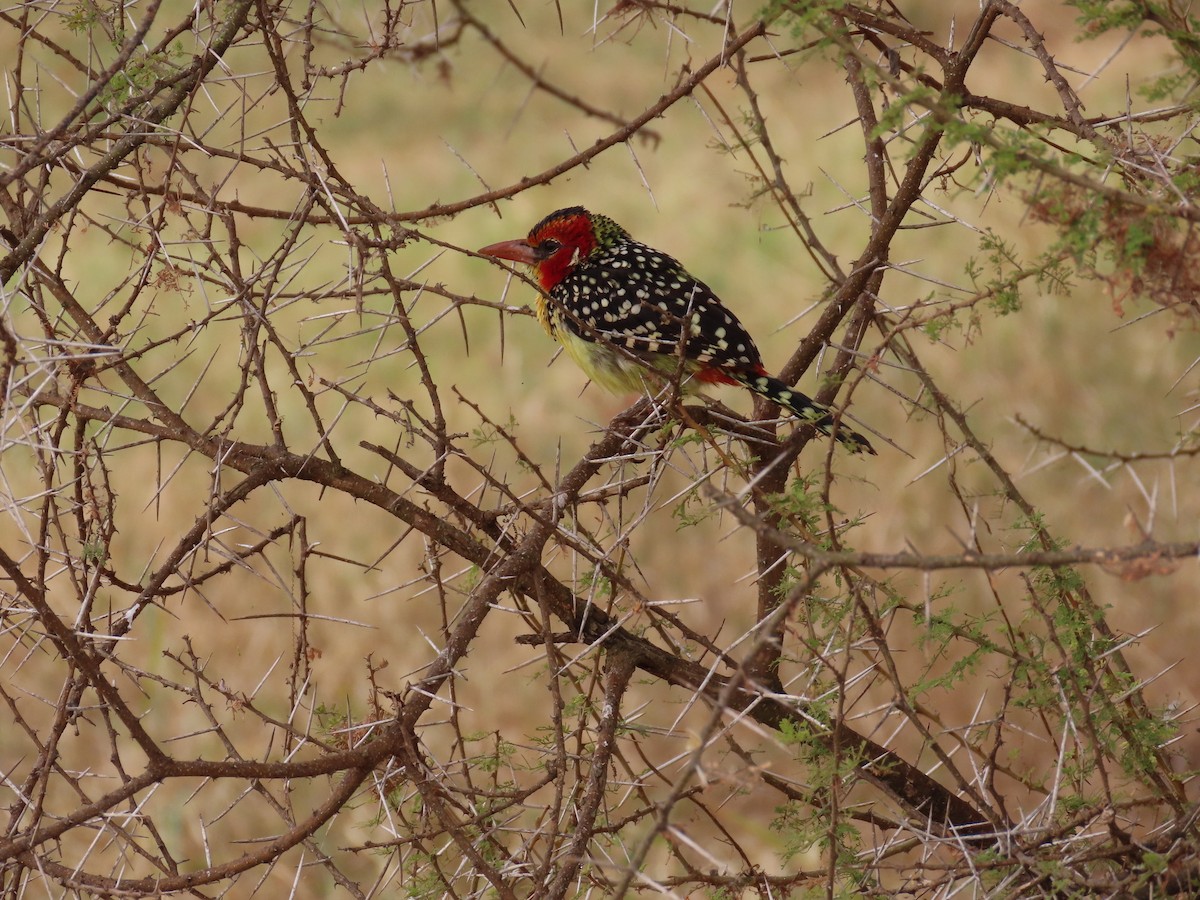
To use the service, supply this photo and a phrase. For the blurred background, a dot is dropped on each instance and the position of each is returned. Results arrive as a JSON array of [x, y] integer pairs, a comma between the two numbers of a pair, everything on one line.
[[443, 115]]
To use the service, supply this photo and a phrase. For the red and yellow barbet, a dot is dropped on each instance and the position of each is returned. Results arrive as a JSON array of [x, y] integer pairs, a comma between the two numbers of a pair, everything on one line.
[[622, 310]]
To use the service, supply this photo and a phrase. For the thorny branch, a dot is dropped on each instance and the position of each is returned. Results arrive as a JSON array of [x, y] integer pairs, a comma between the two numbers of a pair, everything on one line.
[[289, 573]]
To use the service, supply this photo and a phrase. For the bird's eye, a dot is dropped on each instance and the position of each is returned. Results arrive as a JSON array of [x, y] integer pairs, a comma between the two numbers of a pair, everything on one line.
[[549, 246]]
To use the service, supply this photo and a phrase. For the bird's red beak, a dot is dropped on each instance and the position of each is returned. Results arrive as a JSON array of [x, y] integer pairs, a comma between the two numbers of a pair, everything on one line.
[[517, 251]]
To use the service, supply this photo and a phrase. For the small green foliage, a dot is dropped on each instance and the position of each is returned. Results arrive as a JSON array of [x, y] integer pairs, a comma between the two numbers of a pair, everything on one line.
[[330, 719], [422, 879], [1145, 735], [394, 798], [94, 552], [1099, 16], [81, 17], [967, 131], [1054, 274], [1070, 805], [1155, 863], [1170, 20], [1130, 240], [895, 114], [998, 274], [662, 435], [795, 731], [1015, 152], [1083, 234], [596, 584], [686, 438], [1036, 526], [798, 827], [943, 632], [471, 577], [1002, 256], [502, 754], [1041, 689], [801, 503], [1138, 239], [576, 706], [788, 579], [487, 433], [1006, 300], [1187, 181], [810, 740], [692, 509], [139, 75], [820, 611], [937, 326], [1057, 580], [957, 672], [801, 19]]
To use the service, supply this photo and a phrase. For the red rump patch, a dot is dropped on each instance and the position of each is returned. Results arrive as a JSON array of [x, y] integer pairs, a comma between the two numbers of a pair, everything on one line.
[[715, 375]]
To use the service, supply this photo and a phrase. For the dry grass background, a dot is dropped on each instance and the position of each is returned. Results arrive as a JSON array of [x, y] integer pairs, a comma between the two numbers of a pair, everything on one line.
[[406, 135]]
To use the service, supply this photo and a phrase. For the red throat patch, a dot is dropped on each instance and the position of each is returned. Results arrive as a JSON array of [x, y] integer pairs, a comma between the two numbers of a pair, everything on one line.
[[575, 234]]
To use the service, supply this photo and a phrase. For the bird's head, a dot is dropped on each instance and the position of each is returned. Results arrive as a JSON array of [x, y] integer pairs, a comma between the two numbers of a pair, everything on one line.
[[560, 242]]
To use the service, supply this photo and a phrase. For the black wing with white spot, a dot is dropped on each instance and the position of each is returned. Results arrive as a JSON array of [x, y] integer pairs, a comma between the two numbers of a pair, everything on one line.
[[643, 300]]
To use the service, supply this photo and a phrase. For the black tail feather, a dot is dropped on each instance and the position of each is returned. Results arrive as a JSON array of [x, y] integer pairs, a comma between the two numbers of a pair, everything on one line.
[[804, 407]]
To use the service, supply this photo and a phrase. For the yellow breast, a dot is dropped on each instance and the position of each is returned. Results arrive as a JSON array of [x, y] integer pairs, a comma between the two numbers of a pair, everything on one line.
[[542, 308], [601, 362]]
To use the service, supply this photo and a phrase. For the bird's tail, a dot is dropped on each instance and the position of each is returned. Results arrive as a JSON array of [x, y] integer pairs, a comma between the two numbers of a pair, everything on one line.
[[804, 407]]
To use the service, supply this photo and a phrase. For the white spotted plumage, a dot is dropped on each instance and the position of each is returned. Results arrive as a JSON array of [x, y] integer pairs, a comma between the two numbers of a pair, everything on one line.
[[622, 310]]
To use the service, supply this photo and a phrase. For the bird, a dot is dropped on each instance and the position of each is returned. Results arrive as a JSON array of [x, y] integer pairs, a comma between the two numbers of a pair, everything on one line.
[[631, 316]]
